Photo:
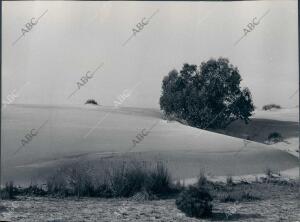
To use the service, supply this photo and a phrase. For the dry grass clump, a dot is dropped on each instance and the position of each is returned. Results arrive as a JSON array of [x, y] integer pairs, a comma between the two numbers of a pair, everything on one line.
[[120, 179]]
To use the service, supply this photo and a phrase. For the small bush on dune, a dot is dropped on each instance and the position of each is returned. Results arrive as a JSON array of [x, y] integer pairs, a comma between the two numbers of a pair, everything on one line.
[[271, 106], [91, 101], [275, 137], [195, 202]]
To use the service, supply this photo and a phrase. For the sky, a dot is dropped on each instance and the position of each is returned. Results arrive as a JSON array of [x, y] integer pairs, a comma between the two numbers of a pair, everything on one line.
[[71, 39]]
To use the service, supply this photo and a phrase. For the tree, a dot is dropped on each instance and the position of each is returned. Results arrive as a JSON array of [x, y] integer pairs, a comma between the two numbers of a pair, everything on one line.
[[208, 96]]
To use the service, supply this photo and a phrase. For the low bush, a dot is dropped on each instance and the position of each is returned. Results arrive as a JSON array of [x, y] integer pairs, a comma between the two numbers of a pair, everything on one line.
[[118, 180], [56, 185], [126, 180], [268, 172], [9, 192], [271, 106], [275, 137], [195, 202], [33, 190], [91, 101], [158, 180], [202, 180], [229, 181]]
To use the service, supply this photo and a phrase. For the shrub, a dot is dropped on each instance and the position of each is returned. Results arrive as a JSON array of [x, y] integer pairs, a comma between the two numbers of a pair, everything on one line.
[[275, 137], [195, 202], [72, 180], [91, 101], [35, 190], [177, 187], [271, 106], [9, 192], [119, 180], [57, 185], [272, 176], [202, 181], [268, 172], [229, 181], [79, 180], [103, 190], [206, 97], [126, 180], [159, 180]]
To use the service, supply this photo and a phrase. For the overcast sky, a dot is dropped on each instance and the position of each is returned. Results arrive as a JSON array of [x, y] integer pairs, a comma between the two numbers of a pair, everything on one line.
[[72, 38]]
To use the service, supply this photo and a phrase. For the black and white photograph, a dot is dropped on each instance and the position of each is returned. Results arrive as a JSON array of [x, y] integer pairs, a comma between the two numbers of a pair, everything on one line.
[[144, 111]]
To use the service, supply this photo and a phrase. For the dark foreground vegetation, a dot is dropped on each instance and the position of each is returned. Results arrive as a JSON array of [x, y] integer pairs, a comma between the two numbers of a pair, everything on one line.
[[123, 179], [141, 182]]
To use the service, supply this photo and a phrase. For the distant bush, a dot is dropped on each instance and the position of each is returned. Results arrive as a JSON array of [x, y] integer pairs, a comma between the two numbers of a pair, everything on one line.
[[91, 101], [195, 202], [271, 106], [275, 137]]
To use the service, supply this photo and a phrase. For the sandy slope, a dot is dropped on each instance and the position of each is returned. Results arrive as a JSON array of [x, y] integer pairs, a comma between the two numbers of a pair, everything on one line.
[[186, 149], [283, 121], [284, 114]]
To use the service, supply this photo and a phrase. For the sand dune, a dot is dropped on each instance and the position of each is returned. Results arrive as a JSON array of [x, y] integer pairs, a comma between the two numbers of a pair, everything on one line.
[[64, 138], [263, 123]]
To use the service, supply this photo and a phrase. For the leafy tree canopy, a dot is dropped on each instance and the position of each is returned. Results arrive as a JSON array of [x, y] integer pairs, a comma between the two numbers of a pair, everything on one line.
[[208, 96]]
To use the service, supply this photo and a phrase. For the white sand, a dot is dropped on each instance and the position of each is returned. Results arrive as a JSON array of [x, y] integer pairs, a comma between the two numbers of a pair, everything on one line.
[[186, 150]]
